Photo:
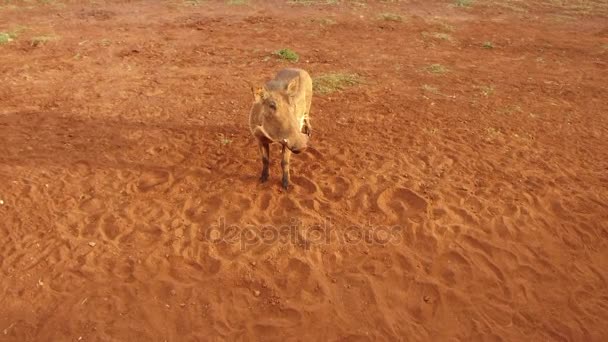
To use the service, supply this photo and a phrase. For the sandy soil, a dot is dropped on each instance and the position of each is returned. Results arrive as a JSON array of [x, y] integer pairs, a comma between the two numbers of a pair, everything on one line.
[[463, 205]]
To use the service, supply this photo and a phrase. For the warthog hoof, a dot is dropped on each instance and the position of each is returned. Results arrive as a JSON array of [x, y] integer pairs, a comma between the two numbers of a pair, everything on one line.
[[285, 183]]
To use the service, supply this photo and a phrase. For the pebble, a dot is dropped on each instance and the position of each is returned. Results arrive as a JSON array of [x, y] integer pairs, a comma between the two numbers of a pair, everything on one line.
[[256, 293], [1, 202], [92, 244]]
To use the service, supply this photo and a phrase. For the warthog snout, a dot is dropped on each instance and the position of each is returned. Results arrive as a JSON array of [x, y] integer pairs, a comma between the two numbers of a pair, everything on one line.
[[297, 144]]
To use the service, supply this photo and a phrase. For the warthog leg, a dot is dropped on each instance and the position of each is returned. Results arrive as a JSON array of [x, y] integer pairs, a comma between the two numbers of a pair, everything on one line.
[[285, 166], [265, 151]]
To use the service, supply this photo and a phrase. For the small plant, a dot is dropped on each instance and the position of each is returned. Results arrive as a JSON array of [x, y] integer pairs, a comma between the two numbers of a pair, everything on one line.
[[224, 140], [237, 2], [486, 90], [313, 2], [488, 45], [40, 40], [287, 54], [391, 17], [464, 3], [436, 69], [492, 132], [323, 21], [438, 35], [435, 91], [442, 36], [509, 110], [430, 89], [5, 38], [329, 83], [445, 27]]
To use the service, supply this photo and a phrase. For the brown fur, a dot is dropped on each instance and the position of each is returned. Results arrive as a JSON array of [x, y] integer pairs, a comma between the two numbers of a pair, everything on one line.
[[281, 114]]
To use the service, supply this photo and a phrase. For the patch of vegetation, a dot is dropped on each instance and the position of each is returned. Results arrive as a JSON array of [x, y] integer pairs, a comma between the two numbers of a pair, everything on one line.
[[323, 21], [464, 3], [390, 17], [313, 2], [581, 7], [41, 40], [509, 110], [442, 36], [329, 83], [487, 45], [493, 132], [236, 2], [438, 35], [224, 140], [445, 27], [288, 55], [436, 69], [509, 5], [5, 38], [486, 90], [431, 131], [435, 91], [193, 2], [430, 89]]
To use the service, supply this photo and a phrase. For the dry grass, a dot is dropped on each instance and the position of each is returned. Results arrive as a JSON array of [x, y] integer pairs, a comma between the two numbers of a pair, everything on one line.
[[329, 83]]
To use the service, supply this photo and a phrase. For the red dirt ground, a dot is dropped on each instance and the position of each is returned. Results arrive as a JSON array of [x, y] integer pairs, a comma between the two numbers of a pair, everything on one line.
[[124, 143]]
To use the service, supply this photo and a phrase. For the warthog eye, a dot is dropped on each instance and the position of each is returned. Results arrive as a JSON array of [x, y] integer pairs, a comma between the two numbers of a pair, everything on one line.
[[272, 105]]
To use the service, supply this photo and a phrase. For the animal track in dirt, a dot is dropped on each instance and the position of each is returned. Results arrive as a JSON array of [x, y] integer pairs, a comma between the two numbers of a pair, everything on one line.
[[152, 179], [423, 300], [401, 204], [124, 143], [453, 269]]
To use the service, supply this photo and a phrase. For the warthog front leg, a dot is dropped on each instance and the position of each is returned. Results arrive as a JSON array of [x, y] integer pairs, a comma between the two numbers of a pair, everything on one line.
[[265, 152], [285, 166]]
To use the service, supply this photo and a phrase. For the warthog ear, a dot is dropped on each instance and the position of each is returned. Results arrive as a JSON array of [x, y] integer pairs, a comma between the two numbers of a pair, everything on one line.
[[292, 86]]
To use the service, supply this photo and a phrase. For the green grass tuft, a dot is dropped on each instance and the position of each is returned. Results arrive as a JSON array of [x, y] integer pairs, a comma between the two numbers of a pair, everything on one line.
[[313, 2], [464, 3], [5, 38], [436, 69], [390, 17], [288, 55], [329, 83], [40, 40], [488, 45]]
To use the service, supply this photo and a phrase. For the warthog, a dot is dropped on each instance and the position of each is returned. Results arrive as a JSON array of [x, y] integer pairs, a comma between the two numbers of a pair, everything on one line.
[[281, 114]]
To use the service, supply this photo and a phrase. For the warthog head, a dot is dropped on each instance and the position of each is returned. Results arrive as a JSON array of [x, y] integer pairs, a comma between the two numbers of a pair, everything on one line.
[[274, 116]]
